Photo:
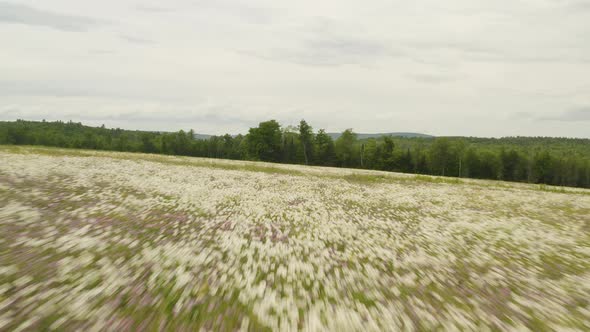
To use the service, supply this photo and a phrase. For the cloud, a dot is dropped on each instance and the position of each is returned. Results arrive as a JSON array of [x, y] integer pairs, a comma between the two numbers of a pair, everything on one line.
[[458, 46], [153, 9], [322, 41], [469, 66], [521, 116], [137, 40], [21, 14], [355, 47], [431, 52], [53, 88], [249, 12], [206, 115], [327, 52], [579, 6], [574, 115], [332, 49], [430, 78], [101, 52], [178, 117]]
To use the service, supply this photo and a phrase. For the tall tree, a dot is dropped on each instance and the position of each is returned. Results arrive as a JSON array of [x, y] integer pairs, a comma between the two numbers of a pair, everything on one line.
[[440, 155], [325, 150], [388, 161], [345, 148], [543, 168], [306, 137], [264, 141], [510, 161]]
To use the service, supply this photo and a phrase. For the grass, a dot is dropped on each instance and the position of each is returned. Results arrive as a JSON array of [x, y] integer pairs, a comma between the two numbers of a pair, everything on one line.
[[369, 246], [361, 177], [163, 159]]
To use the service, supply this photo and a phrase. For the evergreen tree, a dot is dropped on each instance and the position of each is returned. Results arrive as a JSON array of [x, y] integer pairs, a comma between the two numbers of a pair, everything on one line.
[[306, 137], [345, 148]]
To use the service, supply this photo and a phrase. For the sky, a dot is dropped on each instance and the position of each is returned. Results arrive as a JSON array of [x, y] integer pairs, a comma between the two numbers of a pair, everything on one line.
[[456, 67]]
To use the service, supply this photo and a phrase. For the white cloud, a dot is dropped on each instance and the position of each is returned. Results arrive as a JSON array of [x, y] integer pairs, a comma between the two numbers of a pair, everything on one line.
[[458, 68], [581, 114], [22, 14]]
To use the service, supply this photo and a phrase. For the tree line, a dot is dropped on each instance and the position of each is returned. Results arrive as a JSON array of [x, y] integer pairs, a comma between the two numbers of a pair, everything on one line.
[[553, 161]]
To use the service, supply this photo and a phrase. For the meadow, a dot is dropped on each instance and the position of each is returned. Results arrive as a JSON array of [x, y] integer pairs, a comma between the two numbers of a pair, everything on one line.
[[127, 241]]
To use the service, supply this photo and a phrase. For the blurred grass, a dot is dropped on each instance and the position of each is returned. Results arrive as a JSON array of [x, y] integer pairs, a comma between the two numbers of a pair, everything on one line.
[[360, 177]]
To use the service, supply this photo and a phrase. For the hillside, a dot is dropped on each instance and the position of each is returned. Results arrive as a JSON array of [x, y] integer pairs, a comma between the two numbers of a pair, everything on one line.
[[546, 160], [129, 241], [379, 135], [335, 136]]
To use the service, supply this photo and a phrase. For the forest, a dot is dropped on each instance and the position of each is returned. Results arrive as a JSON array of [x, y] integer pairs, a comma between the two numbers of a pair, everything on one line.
[[542, 160]]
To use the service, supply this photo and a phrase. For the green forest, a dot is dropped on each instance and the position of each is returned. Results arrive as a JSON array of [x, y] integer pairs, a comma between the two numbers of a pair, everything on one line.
[[543, 160]]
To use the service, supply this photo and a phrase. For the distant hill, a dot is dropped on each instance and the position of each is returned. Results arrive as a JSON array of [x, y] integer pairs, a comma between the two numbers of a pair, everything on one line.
[[202, 136], [359, 135], [365, 136]]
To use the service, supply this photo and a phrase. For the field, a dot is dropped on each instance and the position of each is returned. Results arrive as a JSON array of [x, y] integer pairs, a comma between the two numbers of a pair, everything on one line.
[[122, 242]]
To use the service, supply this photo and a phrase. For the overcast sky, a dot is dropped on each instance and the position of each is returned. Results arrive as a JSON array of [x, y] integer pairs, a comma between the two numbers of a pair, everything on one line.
[[456, 67]]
